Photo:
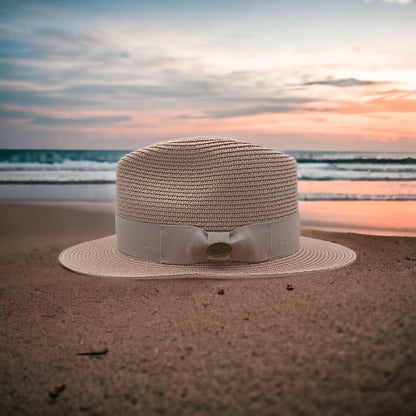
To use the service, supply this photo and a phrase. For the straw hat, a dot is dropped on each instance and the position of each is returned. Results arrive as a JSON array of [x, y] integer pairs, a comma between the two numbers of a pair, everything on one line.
[[206, 208]]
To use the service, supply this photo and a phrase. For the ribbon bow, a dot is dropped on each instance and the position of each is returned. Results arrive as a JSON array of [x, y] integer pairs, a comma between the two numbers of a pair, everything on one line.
[[186, 244]]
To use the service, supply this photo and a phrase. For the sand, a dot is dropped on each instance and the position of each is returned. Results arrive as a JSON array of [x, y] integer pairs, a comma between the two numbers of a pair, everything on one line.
[[340, 343]]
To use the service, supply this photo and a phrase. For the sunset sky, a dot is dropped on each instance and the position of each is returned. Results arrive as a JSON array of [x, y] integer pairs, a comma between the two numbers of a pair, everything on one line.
[[293, 75]]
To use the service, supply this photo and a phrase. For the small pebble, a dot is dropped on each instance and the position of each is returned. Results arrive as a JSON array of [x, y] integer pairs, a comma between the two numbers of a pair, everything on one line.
[[221, 292], [56, 390]]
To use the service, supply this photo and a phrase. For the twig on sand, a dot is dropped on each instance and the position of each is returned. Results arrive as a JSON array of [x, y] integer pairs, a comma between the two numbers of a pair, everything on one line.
[[94, 352]]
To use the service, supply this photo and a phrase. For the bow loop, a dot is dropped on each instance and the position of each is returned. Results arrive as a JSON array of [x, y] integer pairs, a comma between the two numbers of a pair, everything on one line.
[[251, 243]]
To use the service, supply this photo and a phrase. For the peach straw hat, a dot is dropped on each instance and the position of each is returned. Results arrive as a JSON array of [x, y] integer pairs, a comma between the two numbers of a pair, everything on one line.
[[205, 207]]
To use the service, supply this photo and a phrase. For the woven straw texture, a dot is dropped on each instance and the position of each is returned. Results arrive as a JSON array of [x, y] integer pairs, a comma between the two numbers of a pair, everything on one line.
[[216, 184], [102, 258], [213, 183]]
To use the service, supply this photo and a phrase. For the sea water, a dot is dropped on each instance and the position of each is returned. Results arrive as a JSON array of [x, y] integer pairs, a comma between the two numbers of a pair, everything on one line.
[[90, 175]]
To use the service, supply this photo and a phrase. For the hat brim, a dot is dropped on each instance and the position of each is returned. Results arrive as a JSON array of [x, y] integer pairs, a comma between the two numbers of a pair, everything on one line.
[[102, 258]]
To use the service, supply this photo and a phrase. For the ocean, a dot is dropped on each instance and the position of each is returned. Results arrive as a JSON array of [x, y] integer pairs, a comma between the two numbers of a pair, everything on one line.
[[90, 175]]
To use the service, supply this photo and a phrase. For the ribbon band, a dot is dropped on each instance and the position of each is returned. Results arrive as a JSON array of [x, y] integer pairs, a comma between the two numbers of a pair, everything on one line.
[[186, 244]]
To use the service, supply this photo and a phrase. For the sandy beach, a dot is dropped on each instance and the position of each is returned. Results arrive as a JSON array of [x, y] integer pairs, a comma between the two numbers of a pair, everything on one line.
[[339, 343]]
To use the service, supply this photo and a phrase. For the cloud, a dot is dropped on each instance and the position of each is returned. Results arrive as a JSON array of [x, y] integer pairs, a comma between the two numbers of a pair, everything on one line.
[[344, 82], [16, 114], [79, 121], [28, 85], [39, 98], [40, 76], [247, 111], [16, 49], [77, 38], [39, 120], [191, 89], [392, 1]]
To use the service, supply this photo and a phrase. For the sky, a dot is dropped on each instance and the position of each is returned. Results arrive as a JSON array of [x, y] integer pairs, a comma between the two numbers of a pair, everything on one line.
[[292, 75]]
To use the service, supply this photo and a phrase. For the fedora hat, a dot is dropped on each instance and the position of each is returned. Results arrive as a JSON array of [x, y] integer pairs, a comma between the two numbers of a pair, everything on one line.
[[205, 207]]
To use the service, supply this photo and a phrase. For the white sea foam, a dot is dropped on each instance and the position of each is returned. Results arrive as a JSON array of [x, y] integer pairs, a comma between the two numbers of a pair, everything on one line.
[[352, 171], [320, 196], [66, 165]]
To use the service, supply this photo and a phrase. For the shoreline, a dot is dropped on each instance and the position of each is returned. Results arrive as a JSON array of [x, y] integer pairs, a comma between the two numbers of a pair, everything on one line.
[[382, 218]]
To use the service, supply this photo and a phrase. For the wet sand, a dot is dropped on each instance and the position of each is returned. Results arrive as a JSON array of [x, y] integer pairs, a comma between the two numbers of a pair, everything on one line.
[[340, 343]]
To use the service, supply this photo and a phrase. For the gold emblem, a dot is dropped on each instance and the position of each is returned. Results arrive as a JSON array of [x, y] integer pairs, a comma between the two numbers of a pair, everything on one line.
[[219, 250]]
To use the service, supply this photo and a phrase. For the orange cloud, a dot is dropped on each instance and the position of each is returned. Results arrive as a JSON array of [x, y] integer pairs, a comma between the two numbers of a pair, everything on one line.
[[379, 105]]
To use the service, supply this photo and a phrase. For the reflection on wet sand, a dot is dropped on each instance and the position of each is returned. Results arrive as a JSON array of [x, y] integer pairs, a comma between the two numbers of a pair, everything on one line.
[[366, 217]]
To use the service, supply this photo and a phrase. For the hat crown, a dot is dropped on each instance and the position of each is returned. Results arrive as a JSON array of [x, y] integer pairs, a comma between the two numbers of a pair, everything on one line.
[[214, 183]]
